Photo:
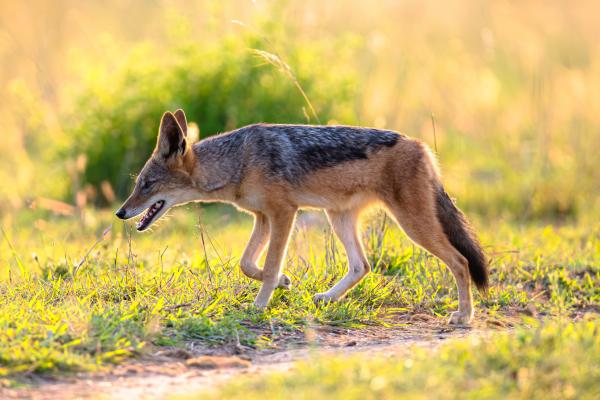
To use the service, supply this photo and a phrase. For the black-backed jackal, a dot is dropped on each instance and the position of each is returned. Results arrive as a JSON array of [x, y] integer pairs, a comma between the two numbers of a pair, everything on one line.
[[273, 170]]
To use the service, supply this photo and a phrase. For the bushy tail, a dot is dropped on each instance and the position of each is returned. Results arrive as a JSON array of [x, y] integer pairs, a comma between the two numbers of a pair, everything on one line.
[[461, 236]]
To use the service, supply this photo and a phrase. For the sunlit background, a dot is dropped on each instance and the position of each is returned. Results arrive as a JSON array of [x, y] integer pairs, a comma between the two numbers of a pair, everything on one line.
[[508, 93]]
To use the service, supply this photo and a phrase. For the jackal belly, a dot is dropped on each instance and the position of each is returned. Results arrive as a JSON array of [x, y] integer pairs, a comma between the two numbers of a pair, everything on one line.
[[325, 198], [333, 201]]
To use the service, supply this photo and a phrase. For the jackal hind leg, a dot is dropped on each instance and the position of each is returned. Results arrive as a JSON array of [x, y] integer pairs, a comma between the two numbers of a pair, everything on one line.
[[254, 249], [344, 225], [419, 221], [281, 224]]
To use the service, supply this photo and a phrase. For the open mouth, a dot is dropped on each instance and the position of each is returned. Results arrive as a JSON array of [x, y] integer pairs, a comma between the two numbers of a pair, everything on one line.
[[149, 216]]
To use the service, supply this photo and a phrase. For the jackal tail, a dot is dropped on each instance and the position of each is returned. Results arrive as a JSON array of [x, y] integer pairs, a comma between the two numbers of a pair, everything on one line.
[[462, 237]]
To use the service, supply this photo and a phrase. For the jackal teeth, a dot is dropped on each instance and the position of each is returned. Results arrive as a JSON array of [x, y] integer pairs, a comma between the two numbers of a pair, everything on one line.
[[150, 214]]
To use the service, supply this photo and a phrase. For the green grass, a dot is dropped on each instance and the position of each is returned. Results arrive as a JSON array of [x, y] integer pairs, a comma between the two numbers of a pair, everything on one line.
[[554, 361], [134, 292]]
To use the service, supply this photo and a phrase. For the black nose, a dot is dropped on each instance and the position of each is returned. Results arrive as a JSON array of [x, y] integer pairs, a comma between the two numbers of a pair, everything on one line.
[[120, 213]]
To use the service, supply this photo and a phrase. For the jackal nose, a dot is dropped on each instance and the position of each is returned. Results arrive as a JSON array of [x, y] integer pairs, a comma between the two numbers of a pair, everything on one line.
[[120, 213]]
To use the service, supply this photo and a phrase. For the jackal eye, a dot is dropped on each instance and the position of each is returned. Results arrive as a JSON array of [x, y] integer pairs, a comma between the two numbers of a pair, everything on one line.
[[146, 184]]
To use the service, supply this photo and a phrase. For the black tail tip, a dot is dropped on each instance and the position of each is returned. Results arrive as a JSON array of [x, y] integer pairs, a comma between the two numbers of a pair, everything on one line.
[[479, 271], [482, 284]]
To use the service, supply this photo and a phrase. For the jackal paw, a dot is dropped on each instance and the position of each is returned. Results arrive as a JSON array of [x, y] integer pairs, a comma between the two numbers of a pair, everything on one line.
[[260, 304], [323, 298], [284, 282], [459, 318]]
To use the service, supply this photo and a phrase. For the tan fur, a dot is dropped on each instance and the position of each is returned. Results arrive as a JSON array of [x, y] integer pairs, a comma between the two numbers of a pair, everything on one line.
[[401, 178]]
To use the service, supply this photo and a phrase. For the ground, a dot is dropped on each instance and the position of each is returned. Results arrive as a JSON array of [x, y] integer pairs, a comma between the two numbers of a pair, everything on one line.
[[90, 308], [164, 372]]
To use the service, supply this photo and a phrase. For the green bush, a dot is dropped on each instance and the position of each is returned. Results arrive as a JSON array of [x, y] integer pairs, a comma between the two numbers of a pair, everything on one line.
[[221, 85]]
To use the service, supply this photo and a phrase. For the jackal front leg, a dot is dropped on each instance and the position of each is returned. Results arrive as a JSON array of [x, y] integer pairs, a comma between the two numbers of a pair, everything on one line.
[[281, 225], [254, 249]]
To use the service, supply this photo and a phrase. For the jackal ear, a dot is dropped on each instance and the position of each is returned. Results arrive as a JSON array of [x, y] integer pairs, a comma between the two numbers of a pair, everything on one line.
[[180, 116], [171, 139]]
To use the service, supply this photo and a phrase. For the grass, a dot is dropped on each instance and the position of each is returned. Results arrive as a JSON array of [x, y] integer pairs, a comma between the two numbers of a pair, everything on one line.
[[550, 361], [134, 292]]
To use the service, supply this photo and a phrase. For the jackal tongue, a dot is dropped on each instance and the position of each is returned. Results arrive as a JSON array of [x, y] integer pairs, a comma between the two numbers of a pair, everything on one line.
[[147, 217]]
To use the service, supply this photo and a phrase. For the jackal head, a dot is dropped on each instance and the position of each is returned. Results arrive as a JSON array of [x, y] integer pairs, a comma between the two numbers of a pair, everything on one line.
[[166, 179]]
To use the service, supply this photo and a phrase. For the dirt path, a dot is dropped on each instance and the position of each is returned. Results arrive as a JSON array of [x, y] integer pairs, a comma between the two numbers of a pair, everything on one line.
[[198, 368]]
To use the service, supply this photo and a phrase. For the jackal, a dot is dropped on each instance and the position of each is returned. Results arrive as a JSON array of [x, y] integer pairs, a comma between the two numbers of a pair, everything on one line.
[[272, 170]]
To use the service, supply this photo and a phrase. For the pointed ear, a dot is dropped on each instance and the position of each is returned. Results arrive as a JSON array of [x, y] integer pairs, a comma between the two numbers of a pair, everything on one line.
[[171, 139], [180, 116]]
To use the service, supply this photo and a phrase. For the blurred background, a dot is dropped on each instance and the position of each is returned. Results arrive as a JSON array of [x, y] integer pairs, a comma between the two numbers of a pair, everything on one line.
[[506, 92]]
